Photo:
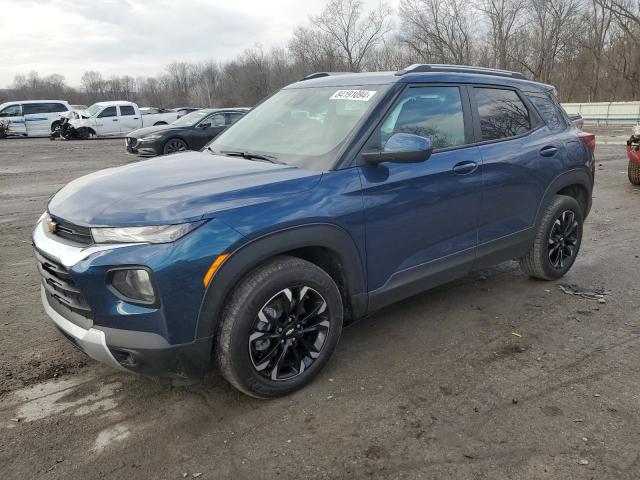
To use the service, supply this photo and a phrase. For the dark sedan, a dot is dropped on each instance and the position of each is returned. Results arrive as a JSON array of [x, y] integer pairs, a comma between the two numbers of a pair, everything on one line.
[[191, 132]]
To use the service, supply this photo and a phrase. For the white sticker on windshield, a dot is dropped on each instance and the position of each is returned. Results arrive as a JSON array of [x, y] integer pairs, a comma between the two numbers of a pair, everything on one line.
[[360, 95]]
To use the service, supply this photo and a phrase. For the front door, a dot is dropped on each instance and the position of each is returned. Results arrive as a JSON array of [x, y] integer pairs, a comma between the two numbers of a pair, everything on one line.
[[207, 129], [422, 218], [13, 114], [108, 122]]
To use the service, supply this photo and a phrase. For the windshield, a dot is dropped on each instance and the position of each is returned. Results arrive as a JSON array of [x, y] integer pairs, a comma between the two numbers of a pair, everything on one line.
[[191, 119], [93, 109], [305, 127]]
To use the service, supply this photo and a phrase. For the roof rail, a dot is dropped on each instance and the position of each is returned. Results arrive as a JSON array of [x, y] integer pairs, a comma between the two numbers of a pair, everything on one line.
[[322, 74], [434, 67]]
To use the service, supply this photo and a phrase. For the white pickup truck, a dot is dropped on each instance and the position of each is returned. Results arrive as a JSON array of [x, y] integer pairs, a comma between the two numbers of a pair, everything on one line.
[[115, 119]]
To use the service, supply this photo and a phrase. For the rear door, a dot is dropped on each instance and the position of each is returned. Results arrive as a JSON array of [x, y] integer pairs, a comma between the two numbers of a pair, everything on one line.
[[13, 114], [519, 156], [37, 119], [129, 119], [107, 122]]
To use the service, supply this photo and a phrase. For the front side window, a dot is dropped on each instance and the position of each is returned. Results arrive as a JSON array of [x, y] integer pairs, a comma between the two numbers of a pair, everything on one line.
[[108, 112], [216, 120], [502, 113], [11, 111], [431, 112], [127, 110], [305, 127]]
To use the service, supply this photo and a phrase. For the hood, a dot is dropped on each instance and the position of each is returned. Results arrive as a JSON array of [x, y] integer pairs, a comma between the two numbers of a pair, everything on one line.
[[175, 189], [143, 132]]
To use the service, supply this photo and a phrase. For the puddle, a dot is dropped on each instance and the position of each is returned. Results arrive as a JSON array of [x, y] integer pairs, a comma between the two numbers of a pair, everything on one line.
[[106, 437], [67, 397]]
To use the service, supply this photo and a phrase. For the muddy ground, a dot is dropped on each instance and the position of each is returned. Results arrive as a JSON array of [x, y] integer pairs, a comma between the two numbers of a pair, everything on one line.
[[438, 386]]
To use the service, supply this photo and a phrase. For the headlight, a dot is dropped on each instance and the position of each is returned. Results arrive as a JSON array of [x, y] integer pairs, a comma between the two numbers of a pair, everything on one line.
[[150, 137], [150, 234]]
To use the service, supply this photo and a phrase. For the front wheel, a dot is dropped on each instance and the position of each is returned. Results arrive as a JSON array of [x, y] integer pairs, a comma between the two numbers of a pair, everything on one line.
[[557, 240], [279, 328], [174, 145]]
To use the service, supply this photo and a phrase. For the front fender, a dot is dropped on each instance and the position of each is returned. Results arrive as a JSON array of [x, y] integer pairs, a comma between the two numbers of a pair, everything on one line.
[[247, 256]]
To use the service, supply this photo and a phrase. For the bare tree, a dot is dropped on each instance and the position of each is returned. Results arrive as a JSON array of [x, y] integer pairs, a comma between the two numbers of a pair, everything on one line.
[[355, 35], [437, 30], [504, 18]]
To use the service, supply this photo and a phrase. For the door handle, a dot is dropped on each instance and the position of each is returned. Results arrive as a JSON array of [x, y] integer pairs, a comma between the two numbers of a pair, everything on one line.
[[465, 168], [115, 119], [548, 151], [135, 118]]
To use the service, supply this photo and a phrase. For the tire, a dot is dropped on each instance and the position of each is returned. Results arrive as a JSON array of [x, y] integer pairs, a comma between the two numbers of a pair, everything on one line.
[[561, 224], [634, 172], [248, 343], [83, 133], [55, 125], [159, 123], [174, 145]]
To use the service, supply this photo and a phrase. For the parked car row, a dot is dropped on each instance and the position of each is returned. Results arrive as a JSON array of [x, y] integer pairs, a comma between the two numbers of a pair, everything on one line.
[[149, 131]]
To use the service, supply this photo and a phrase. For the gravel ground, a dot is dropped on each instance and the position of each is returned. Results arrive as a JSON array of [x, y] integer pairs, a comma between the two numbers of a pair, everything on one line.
[[493, 376]]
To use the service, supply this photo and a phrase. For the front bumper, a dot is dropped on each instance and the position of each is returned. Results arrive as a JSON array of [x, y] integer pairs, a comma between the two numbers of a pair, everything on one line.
[[143, 148], [158, 341], [92, 341]]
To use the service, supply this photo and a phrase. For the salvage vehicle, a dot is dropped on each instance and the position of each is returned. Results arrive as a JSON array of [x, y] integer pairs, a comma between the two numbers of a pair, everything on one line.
[[33, 118], [633, 153], [336, 196], [191, 132], [115, 119]]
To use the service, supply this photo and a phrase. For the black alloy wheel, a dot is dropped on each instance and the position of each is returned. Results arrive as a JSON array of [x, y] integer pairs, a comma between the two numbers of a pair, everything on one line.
[[563, 239], [289, 333], [175, 145]]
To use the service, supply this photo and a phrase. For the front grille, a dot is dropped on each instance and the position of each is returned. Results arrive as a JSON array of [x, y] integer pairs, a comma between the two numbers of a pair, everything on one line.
[[70, 231], [60, 286]]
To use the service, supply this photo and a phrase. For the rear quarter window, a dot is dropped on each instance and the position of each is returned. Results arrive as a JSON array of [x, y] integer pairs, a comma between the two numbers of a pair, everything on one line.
[[502, 113], [549, 111]]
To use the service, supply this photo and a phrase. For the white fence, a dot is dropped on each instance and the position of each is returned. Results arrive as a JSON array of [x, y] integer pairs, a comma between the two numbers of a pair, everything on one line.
[[606, 113]]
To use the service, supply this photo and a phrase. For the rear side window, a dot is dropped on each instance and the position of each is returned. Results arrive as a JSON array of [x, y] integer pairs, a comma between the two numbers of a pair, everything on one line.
[[56, 107], [108, 112], [126, 110], [33, 108], [502, 113], [233, 117], [215, 120], [549, 111], [432, 112]]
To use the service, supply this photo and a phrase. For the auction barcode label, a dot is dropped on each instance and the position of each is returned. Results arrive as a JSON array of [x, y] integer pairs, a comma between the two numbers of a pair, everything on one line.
[[361, 95]]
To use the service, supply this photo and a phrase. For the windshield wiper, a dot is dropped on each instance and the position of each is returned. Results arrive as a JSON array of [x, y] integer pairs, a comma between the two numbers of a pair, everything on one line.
[[250, 155]]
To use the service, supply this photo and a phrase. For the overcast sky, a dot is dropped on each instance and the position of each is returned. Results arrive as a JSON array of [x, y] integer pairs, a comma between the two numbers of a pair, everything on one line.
[[138, 37]]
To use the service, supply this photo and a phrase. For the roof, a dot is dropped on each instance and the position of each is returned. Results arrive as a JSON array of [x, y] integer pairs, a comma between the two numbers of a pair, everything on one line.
[[35, 101], [114, 102], [456, 75]]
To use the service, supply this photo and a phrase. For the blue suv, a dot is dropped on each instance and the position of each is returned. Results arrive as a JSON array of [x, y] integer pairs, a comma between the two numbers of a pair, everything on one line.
[[337, 195]]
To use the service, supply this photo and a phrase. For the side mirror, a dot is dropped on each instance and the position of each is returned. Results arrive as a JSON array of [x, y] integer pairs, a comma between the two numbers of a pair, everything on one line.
[[402, 148], [205, 125]]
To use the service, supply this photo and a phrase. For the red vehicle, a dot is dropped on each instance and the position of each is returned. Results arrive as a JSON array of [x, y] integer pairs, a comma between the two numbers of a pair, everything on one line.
[[633, 152]]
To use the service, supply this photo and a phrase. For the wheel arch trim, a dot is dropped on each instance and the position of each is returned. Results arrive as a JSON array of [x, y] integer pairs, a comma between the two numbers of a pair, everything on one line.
[[577, 176], [259, 249]]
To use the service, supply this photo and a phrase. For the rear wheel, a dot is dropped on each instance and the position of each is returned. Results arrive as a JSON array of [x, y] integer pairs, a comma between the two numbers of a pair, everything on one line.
[[557, 241], [55, 125], [634, 172], [174, 145], [279, 328]]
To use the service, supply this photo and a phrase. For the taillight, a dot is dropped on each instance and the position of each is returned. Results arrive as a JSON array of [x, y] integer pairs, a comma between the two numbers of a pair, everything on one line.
[[589, 139]]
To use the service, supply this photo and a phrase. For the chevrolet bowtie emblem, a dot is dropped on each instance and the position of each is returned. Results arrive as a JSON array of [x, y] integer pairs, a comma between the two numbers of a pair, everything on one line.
[[51, 225]]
